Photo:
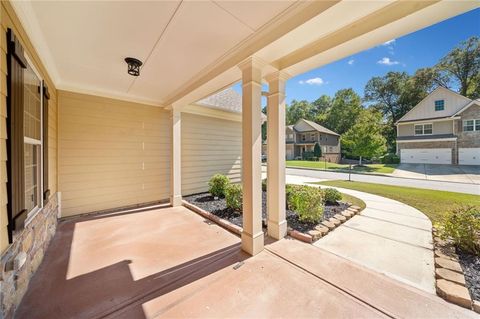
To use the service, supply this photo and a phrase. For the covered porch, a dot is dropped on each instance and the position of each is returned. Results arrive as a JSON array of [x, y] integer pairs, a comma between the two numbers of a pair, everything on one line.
[[105, 141], [170, 262]]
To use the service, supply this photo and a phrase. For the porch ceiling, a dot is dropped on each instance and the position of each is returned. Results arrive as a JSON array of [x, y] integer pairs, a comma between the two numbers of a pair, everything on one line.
[[190, 49]]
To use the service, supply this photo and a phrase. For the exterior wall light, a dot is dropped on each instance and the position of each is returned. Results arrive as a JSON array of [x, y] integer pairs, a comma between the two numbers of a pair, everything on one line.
[[133, 66]]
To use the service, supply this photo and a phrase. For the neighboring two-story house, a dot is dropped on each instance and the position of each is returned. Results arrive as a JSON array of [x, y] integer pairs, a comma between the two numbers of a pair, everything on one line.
[[302, 137], [444, 128]]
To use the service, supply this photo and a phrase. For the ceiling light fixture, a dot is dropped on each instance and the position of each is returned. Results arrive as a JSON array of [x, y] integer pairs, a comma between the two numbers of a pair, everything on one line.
[[133, 66]]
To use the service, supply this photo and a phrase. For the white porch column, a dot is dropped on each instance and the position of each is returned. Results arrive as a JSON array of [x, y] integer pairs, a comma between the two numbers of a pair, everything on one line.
[[252, 236], [175, 159], [277, 223]]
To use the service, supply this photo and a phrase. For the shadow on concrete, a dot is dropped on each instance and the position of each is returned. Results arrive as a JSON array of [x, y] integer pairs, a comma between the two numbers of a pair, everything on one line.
[[109, 292]]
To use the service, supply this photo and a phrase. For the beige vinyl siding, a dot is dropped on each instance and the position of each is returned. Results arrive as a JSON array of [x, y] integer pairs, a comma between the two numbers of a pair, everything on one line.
[[439, 127], [8, 19], [209, 146], [111, 153], [443, 127], [426, 108], [405, 130]]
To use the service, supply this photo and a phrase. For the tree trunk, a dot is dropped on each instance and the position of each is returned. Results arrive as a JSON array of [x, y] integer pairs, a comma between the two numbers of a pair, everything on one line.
[[360, 161]]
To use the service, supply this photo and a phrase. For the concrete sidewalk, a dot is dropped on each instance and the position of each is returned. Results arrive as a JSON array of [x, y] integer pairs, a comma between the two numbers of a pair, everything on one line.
[[388, 236]]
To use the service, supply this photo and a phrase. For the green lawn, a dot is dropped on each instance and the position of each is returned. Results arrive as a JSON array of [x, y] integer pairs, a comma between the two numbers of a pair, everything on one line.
[[369, 168], [432, 203], [354, 200]]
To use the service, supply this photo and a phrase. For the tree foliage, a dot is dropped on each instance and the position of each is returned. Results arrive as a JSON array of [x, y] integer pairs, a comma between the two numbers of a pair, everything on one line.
[[299, 110], [364, 138], [317, 150], [462, 67], [345, 108]]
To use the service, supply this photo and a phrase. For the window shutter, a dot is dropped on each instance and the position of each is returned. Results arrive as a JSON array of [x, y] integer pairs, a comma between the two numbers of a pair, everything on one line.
[[46, 97], [16, 62]]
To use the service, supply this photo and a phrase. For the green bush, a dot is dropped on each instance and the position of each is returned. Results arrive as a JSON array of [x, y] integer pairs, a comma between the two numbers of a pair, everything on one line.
[[264, 185], [331, 195], [233, 196], [306, 201], [308, 155], [462, 226], [390, 159], [218, 184]]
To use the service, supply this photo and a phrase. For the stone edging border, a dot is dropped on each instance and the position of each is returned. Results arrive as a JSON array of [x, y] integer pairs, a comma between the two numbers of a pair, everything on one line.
[[450, 279], [325, 226], [320, 230], [220, 221]]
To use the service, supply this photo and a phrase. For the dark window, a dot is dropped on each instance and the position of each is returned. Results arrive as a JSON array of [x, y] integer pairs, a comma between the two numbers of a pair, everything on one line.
[[439, 105]]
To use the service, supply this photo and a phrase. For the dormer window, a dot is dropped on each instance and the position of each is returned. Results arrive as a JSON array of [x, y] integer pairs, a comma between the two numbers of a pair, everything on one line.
[[439, 105]]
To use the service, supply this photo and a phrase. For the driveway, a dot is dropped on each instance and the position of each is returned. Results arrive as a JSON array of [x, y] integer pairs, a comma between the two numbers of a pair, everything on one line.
[[448, 173]]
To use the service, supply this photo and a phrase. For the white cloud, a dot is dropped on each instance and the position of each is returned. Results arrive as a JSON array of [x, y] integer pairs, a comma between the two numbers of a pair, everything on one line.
[[313, 81], [351, 61], [387, 61], [389, 42]]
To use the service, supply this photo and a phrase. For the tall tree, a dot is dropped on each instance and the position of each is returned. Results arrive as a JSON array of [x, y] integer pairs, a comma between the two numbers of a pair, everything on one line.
[[321, 107], [345, 107], [299, 110], [364, 138], [462, 66]]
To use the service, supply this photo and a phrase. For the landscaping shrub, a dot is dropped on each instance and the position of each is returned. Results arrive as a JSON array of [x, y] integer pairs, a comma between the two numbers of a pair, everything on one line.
[[233, 196], [264, 185], [390, 159], [218, 184], [308, 155], [462, 226], [306, 201], [331, 195]]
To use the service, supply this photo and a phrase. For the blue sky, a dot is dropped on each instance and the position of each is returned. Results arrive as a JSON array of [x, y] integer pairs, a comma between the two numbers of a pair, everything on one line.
[[408, 53]]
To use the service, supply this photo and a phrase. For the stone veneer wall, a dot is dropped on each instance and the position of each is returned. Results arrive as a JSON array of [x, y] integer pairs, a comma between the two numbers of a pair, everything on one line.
[[468, 139], [438, 144], [22, 258]]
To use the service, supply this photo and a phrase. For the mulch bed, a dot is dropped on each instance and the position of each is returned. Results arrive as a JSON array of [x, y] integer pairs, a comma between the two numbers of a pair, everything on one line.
[[471, 270], [219, 208]]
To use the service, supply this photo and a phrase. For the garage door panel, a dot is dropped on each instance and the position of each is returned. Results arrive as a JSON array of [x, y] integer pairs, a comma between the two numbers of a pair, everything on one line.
[[469, 156], [426, 156]]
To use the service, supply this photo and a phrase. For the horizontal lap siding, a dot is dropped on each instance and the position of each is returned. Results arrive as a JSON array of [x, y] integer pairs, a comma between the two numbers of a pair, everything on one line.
[[111, 153], [209, 146]]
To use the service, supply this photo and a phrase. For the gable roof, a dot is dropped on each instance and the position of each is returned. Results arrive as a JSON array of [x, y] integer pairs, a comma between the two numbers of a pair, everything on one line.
[[474, 102], [316, 127], [449, 112], [227, 100]]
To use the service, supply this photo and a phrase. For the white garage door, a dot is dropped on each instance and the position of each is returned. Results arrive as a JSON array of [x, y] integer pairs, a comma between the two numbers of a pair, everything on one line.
[[469, 156], [426, 156]]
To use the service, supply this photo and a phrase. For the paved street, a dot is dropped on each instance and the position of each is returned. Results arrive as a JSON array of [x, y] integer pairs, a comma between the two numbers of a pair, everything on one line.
[[397, 181]]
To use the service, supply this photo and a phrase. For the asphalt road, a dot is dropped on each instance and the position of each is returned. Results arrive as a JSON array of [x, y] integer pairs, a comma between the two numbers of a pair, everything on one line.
[[397, 181]]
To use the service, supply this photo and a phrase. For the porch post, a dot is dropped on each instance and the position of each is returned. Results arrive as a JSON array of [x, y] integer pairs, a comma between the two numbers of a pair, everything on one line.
[[175, 159], [252, 235], [277, 223]]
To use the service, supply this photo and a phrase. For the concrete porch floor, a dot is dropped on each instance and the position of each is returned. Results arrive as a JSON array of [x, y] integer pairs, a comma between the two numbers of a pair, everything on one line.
[[170, 262]]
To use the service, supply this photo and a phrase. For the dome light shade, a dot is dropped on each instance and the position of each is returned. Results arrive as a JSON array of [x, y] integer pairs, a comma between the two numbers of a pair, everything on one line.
[[133, 66]]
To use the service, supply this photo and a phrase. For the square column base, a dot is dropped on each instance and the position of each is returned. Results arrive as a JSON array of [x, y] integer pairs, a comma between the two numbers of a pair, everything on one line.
[[176, 200], [277, 230], [252, 244]]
